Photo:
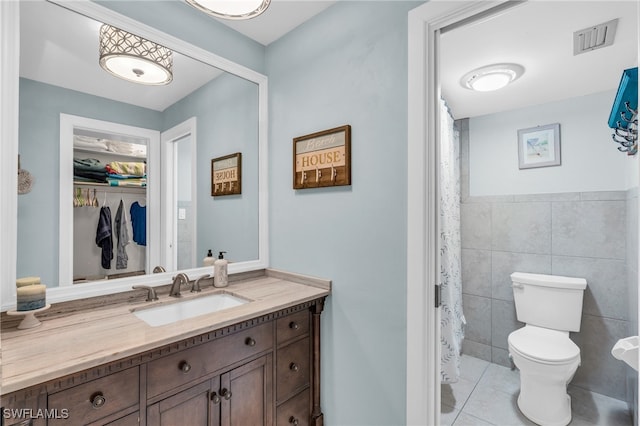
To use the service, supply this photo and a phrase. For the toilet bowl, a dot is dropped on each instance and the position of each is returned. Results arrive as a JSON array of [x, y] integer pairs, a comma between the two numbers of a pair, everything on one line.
[[547, 360], [551, 307]]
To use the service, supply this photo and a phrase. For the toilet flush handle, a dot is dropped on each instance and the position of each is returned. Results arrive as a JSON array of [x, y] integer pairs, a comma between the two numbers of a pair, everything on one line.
[[517, 285]]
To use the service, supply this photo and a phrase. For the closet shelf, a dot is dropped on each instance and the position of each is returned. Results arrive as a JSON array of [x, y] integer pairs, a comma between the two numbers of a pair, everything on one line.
[[106, 186], [111, 153]]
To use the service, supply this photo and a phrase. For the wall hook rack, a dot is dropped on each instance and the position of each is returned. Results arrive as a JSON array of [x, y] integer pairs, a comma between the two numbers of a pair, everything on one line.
[[624, 113]]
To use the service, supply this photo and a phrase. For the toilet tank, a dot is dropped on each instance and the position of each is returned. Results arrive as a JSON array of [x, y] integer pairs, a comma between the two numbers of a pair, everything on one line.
[[548, 301]]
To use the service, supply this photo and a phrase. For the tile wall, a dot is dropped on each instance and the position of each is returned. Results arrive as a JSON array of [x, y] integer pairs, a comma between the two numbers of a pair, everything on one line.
[[572, 234]]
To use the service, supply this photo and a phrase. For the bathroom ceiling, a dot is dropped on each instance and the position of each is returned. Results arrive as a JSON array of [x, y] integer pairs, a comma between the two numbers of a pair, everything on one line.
[[539, 36], [535, 34]]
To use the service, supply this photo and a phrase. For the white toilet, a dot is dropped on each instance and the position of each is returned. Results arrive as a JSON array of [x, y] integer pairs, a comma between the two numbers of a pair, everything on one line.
[[551, 307]]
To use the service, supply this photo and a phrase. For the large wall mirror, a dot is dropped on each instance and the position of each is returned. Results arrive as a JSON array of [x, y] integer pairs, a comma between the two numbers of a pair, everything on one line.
[[72, 112]]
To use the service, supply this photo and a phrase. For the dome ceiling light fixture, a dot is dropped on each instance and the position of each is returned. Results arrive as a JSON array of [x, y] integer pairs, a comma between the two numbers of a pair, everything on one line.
[[231, 9], [491, 77], [134, 58]]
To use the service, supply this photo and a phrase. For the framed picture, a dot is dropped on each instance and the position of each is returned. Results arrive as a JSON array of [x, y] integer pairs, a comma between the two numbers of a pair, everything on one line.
[[322, 159], [226, 175], [539, 146]]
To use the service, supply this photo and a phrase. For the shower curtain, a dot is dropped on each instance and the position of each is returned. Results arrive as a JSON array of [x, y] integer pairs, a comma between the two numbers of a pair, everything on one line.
[[452, 319]]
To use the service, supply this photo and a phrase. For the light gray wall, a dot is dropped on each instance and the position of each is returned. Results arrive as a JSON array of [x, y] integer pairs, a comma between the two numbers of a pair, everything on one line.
[[581, 234], [226, 110], [348, 65], [588, 162]]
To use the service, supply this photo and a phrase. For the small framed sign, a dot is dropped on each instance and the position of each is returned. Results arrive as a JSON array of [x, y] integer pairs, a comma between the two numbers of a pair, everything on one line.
[[539, 146], [322, 159], [226, 175]]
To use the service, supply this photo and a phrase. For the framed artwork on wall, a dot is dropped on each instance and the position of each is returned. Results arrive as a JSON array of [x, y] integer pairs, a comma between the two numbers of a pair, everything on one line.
[[539, 146], [322, 159], [226, 175]]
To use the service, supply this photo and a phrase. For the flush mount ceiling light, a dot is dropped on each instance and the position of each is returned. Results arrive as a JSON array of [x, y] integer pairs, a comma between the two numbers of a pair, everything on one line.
[[134, 58], [491, 77], [231, 9]]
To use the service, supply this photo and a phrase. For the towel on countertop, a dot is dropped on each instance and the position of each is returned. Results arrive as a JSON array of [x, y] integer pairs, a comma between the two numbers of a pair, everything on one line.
[[122, 236], [104, 238]]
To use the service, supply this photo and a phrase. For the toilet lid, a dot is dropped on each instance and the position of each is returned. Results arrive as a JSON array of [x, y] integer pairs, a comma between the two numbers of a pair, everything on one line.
[[543, 344]]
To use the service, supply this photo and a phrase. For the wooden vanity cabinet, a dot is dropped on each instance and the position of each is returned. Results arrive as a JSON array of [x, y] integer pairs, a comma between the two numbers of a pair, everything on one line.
[[242, 396], [259, 372]]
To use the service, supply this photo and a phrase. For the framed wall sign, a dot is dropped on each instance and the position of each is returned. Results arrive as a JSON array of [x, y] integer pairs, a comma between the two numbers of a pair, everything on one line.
[[539, 146], [322, 159], [226, 175]]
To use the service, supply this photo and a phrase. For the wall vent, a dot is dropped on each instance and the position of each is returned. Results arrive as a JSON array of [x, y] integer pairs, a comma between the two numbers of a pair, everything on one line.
[[594, 37]]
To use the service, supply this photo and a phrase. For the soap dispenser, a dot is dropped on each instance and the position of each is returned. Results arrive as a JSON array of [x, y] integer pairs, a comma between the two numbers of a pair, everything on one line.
[[209, 259], [220, 277]]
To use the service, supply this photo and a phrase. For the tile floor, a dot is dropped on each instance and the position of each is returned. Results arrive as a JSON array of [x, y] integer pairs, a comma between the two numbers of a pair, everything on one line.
[[486, 394]]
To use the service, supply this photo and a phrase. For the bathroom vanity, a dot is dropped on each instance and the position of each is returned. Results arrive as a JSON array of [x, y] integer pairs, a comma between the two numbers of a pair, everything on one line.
[[253, 364]]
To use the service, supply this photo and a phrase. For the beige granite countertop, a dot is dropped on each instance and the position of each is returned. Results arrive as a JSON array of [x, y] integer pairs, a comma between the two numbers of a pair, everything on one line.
[[86, 339]]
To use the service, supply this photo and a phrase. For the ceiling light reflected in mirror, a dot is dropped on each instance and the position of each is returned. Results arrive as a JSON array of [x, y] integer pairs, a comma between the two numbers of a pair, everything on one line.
[[134, 58], [231, 9]]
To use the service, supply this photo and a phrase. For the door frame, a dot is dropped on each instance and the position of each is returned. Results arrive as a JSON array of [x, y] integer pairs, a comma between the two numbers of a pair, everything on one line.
[[423, 318], [168, 232]]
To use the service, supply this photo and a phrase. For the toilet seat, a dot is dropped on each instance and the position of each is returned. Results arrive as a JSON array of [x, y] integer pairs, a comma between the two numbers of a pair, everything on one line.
[[543, 345]]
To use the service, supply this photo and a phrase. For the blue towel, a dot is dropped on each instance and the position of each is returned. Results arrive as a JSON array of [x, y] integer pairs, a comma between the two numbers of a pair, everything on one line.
[[104, 237], [139, 223]]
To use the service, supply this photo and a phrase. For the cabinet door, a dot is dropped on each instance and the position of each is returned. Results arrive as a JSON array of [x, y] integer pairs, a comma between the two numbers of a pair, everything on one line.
[[195, 406], [247, 394]]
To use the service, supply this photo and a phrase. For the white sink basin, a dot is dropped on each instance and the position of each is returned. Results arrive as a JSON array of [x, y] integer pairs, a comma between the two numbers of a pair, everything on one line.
[[180, 310]]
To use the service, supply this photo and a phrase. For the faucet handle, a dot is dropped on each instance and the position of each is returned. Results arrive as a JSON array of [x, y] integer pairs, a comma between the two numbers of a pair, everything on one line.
[[195, 287], [151, 292], [159, 269]]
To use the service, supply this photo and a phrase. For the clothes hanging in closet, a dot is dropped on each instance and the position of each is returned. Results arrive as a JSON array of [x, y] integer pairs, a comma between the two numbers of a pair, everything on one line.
[[122, 236], [139, 223], [104, 238]]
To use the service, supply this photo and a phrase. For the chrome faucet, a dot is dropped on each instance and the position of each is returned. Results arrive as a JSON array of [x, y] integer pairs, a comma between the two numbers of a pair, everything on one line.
[[178, 280]]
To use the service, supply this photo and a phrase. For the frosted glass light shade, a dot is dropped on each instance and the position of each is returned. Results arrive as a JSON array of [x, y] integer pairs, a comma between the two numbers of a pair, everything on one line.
[[231, 9], [134, 58], [492, 77]]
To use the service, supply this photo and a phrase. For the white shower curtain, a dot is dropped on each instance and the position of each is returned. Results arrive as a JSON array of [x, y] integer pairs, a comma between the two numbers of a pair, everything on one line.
[[452, 319]]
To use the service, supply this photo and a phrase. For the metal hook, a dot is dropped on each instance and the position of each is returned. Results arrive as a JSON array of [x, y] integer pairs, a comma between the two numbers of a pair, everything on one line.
[[627, 106]]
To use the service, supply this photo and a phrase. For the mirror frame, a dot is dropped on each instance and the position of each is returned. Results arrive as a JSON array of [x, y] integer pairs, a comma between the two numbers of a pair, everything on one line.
[[9, 115]]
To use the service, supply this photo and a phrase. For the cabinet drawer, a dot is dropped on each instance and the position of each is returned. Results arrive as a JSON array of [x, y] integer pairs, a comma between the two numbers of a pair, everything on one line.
[[295, 412], [191, 364], [292, 369], [97, 399], [292, 326]]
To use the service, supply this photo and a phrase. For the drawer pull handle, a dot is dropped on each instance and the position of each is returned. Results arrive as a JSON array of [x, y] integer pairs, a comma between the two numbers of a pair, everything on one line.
[[293, 421], [98, 400], [294, 367], [185, 367], [226, 394], [215, 398], [294, 325], [250, 341]]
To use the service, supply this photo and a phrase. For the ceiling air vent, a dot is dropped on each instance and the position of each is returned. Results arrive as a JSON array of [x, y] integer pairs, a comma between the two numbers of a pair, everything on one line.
[[594, 37]]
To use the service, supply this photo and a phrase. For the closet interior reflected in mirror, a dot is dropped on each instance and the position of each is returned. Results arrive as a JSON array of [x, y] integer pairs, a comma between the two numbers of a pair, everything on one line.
[[92, 141], [110, 190]]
